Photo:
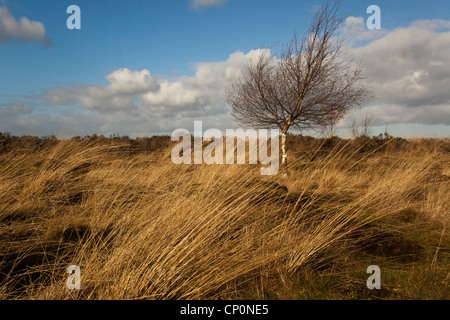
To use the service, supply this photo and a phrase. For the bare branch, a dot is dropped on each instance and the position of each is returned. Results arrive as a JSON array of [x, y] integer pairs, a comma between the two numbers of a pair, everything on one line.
[[314, 82]]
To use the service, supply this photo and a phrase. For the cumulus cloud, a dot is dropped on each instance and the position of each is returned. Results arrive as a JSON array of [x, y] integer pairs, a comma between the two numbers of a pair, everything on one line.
[[408, 70], [135, 103], [354, 28], [434, 24], [409, 73], [386, 113], [15, 108], [23, 29], [136, 99], [123, 93], [202, 94], [199, 4]]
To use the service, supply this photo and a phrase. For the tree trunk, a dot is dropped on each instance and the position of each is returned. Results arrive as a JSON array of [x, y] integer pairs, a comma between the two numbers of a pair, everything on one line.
[[283, 153]]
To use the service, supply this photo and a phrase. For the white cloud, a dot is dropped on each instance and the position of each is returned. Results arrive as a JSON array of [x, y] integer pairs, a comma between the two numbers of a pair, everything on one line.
[[409, 72], [434, 24], [355, 29], [202, 94], [22, 29], [199, 4], [15, 109], [125, 89], [386, 113], [197, 96], [135, 103]]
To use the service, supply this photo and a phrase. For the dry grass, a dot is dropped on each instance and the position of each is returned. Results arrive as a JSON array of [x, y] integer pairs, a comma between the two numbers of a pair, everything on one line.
[[141, 227]]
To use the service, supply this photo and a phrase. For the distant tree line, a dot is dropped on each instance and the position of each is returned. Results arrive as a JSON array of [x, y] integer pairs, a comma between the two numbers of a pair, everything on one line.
[[25, 144], [300, 144]]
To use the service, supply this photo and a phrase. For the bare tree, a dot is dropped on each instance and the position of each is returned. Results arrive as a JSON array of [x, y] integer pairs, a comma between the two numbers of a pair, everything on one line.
[[354, 127], [367, 123], [327, 130], [313, 83], [363, 127]]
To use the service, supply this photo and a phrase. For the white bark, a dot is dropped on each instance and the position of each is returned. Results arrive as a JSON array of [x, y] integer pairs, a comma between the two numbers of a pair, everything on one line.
[[283, 150]]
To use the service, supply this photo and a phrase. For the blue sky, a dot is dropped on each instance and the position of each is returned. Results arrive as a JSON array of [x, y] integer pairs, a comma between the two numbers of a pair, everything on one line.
[[41, 80]]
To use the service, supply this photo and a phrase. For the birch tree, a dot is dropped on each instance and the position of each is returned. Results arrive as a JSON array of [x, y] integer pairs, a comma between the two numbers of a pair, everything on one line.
[[313, 83]]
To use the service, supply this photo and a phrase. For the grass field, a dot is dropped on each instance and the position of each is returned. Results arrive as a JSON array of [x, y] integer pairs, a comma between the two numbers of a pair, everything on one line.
[[140, 227]]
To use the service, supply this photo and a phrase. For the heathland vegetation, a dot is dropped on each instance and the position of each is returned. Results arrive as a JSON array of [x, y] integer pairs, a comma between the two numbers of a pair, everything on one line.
[[141, 227]]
